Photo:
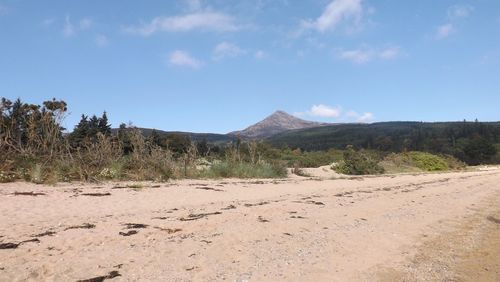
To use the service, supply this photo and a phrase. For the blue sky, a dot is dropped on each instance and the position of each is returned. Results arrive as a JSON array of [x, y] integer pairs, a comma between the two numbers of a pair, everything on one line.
[[221, 65]]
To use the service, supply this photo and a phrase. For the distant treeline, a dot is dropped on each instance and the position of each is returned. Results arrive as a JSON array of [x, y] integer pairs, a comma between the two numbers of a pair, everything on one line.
[[473, 142]]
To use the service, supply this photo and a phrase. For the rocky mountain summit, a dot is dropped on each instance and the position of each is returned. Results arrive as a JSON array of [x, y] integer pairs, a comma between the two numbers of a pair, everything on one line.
[[278, 122]]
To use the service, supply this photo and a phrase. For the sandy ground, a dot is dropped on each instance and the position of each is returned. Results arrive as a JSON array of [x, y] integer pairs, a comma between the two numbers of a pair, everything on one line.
[[428, 227]]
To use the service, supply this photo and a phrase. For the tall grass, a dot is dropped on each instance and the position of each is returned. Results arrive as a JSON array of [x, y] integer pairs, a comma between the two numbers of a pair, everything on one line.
[[227, 169]]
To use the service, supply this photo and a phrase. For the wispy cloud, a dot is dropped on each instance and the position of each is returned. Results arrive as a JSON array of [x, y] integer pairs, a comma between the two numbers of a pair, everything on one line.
[[259, 55], [227, 50], [202, 20], [68, 28], [459, 11], [454, 14], [183, 59], [390, 53], [363, 117], [366, 54], [102, 40], [444, 31], [335, 13], [358, 56], [86, 23]]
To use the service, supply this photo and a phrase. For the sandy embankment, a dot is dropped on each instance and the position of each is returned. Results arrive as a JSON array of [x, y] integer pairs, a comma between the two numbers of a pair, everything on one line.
[[413, 227]]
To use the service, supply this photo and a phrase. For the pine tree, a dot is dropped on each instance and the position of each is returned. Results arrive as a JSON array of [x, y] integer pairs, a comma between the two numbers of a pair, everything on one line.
[[80, 133], [103, 125], [93, 128]]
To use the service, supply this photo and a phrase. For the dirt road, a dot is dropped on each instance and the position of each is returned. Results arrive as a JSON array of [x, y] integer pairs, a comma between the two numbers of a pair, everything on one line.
[[408, 227]]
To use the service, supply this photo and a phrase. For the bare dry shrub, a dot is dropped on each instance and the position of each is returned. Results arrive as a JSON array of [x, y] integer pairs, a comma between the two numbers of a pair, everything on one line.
[[88, 161], [148, 161]]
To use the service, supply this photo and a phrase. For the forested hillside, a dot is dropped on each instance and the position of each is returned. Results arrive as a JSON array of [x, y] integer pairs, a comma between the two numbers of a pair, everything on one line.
[[473, 142]]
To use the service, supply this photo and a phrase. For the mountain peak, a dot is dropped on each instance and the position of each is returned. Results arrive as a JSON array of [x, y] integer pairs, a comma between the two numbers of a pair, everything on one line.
[[280, 112], [280, 115], [277, 122]]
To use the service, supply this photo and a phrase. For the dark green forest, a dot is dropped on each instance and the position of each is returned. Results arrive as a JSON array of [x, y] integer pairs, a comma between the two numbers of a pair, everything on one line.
[[473, 142]]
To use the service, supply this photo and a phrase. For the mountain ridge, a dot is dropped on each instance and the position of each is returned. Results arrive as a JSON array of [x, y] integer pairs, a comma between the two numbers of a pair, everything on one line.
[[278, 122], [193, 136]]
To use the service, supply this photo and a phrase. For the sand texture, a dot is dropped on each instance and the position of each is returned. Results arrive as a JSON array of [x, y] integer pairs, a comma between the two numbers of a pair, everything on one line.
[[425, 227]]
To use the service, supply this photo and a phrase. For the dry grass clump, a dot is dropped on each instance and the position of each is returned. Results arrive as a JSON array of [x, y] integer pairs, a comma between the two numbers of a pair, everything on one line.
[[299, 171], [244, 170]]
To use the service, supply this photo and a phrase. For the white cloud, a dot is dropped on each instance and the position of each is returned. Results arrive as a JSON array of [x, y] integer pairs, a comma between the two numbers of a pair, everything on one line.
[[227, 50], [259, 55], [86, 23], [459, 11], [444, 31], [336, 12], [184, 59], [208, 21], [358, 56], [325, 111], [102, 40], [68, 28], [363, 118], [365, 54], [390, 53]]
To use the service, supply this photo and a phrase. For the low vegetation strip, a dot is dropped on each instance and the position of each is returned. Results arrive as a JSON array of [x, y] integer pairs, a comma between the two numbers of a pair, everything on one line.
[[363, 162], [34, 147]]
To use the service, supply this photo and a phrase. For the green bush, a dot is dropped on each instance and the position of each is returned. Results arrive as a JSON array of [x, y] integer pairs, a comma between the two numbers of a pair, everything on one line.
[[420, 161], [358, 163], [428, 162]]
